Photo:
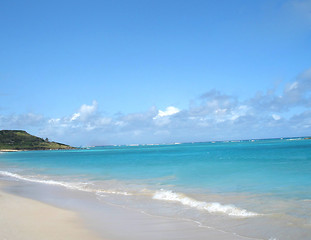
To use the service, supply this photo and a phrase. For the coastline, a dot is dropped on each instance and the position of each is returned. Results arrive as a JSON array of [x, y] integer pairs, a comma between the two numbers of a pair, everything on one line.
[[164, 205], [23, 218], [75, 215], [10, 150]]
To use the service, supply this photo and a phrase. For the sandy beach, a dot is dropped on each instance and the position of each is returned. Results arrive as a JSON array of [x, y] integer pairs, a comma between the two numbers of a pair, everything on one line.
[[9, 150], [31, 211], [159, 192], [27, 219]]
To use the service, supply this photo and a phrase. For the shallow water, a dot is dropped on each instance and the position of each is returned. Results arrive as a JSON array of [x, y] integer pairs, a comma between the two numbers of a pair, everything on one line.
[[258, 189]]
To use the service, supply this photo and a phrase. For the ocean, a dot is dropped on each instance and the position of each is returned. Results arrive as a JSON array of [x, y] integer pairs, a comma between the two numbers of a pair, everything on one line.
[[255, 189]]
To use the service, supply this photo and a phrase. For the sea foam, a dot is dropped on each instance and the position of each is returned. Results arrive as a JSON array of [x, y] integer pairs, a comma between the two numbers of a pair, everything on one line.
[[211, 207], [81, 186], [77, 186]]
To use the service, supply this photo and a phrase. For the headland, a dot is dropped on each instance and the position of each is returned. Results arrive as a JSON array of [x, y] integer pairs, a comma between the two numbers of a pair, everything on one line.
[[19, 140]]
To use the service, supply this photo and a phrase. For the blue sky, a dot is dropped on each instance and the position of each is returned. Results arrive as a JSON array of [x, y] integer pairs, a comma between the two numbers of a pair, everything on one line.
[[120, 72]]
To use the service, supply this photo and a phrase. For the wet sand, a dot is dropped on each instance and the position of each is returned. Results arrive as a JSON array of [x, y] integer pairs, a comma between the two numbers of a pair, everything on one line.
[[26, 219], [37, 211]]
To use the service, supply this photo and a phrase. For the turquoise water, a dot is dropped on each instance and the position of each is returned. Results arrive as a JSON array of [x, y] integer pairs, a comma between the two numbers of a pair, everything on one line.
[[249, 180]]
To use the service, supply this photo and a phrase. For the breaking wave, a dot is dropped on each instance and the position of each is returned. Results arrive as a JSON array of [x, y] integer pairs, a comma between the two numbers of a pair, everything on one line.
[[164, 195], [81, 186], [211, 207]]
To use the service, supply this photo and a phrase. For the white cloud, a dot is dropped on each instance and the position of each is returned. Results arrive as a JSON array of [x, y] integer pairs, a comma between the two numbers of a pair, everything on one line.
[[240, 111], [84, 112], [296, 94], [161, 121], [54, 120], [120, 123], [292, 86], [213, 116], [163, 117], [75, 116], [103, 121], [21, 121], [276, 117], [168, 112]]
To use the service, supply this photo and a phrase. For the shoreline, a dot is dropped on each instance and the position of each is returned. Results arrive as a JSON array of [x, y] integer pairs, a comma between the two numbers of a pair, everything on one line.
[[75, 215], [27, 150], [79, 215], [170, 193], [95, 218], [23, 218], [10, 150]]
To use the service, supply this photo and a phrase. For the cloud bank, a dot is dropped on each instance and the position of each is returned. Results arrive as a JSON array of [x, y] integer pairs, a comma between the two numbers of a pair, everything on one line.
[[212, 116]]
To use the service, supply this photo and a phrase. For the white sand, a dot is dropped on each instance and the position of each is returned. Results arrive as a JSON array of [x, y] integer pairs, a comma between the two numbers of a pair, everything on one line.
[[9, 150], [26, 219]]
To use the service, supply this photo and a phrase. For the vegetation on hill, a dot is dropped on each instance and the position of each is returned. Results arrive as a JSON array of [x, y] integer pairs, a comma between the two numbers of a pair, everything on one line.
[[21, 140]]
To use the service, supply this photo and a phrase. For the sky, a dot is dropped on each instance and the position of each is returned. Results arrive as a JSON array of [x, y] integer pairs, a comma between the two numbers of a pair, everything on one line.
[[153, 71]]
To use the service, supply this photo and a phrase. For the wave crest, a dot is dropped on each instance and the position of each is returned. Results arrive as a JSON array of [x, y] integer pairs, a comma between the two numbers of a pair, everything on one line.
[[81, 186], [211, 207]]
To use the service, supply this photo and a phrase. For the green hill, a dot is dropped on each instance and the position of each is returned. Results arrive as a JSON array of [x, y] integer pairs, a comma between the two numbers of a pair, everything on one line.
[[21, 140]]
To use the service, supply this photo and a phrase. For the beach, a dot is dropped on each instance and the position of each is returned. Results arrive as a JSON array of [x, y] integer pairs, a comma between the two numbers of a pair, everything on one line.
[[224, 190], [155, 120], [56, 213], [9, 150], [24, 219]]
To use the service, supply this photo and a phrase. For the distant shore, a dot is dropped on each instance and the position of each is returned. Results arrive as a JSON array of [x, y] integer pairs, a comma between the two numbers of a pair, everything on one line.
[[24, 150], [21, 140], [10, 150]]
